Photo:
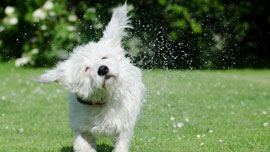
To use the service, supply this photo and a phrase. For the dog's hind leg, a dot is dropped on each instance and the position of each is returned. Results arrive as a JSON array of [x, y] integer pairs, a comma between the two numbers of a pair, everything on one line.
[[122, 141], [84, 142]]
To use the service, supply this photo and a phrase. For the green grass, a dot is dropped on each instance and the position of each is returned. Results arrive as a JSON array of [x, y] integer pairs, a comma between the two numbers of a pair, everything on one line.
[[234, 104]]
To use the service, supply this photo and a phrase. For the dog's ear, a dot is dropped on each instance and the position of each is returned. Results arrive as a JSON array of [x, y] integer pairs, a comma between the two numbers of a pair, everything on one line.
[[55, 75], [115, 29]]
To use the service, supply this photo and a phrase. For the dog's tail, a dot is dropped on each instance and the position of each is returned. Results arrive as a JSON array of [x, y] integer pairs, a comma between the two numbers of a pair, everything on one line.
[[115, 29]]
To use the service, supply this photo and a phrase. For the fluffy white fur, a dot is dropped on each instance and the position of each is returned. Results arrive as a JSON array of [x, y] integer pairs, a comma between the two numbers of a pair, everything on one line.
[[122, 93]]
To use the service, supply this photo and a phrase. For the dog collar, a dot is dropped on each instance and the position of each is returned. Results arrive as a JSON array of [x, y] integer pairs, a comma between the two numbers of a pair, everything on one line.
[[80, 100]]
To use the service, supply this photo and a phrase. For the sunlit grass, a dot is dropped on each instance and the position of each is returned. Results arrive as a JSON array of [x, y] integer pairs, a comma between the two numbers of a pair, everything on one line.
[[183, 111]]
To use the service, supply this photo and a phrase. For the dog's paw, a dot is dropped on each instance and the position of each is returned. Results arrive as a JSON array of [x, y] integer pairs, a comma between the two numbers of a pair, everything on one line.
[[83, 149], [81, 145], [120, 150]]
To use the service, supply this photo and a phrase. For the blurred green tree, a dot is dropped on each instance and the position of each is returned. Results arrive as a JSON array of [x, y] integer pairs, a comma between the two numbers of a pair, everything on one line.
[[167, 34]]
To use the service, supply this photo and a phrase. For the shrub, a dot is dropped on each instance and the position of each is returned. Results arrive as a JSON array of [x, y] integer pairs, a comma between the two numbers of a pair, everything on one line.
[[167, 34], [38, 33]]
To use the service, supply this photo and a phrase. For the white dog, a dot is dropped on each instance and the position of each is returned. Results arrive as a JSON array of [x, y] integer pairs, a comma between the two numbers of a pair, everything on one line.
[[106, 90]]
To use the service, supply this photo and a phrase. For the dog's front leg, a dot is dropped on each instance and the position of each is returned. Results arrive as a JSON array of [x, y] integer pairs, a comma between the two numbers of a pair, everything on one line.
[[81, 143], [122, 141]]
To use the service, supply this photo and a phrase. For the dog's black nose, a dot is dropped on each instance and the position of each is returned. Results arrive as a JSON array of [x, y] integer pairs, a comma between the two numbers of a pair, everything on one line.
[[103, 70]]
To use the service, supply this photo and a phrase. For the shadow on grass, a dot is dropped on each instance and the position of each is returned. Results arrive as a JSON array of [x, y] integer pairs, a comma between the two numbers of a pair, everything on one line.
[[100, 148]]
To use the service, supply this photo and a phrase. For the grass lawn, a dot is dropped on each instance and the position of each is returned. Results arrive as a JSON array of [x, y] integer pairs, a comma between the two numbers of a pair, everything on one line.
[[183, 111]]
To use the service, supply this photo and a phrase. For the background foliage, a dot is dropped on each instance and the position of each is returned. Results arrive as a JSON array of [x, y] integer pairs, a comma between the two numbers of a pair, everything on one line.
[[166, 34]]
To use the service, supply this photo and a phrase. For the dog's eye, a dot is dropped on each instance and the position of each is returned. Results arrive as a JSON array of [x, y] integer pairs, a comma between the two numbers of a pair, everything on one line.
[[104, 58], [87, 69]]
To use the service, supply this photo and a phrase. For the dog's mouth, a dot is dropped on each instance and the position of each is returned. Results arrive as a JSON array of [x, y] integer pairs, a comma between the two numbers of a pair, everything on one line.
[[106, 78]]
